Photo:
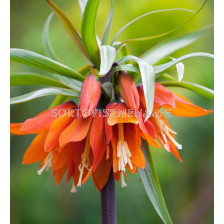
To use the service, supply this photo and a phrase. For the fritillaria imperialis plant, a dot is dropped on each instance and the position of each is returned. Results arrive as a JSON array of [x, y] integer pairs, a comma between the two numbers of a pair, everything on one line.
[[122, 105]]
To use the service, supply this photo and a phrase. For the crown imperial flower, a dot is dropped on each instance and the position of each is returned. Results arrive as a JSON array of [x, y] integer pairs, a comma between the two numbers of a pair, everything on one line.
[[109, 132]]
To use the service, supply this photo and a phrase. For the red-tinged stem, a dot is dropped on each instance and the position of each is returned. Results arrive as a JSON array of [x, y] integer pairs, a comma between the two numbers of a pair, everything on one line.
[[108, 202]]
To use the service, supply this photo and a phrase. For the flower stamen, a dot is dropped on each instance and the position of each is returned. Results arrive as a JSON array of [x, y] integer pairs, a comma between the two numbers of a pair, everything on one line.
[[123, 183], [47, 164], [73, 189], [165, 132], [84, 161], [123, 152]]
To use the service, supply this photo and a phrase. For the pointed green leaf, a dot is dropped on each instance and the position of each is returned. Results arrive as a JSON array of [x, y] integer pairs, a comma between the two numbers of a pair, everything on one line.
[[202, 90], [41, 93], [46, 40], [82, 5], [59, 99], [106, 31], [41, 62], [169, 46], [107, 56], [163, 67], [148, 78], [152, 187], [168, 32], [142, 16], [108, 89], [123, 50], [167, 77], [68, 26], [88, 31], [71, 83], [84, 70], [128, 68], [26, 78], [180, 69]]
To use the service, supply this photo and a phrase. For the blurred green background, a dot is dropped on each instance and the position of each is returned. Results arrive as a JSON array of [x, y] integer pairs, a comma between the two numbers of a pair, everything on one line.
[[187, 186]]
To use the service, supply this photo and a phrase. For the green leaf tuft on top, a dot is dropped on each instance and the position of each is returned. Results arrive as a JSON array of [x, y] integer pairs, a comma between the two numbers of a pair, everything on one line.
[[41, 62], [43, 92], [27, 78], [202, 90], [167, 47], [68, 26], [107, 56], [46, 40], [106, 31], [88, 31], [142, 16], [163, 67]]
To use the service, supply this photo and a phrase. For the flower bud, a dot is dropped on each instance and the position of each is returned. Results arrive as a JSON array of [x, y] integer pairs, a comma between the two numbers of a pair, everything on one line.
[[90, 95], [128, 90]]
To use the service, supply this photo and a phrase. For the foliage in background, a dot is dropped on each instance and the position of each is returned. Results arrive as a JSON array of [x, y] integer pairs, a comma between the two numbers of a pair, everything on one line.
[[91, 56]]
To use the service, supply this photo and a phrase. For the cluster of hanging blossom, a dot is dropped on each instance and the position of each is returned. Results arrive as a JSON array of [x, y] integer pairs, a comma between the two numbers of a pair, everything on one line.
[[96, 144]]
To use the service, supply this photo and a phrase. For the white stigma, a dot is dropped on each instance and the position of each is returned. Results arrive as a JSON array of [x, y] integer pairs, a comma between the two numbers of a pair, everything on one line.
[[84, 161], [165, 131], [123, 152], [123, 184], [47, 163]]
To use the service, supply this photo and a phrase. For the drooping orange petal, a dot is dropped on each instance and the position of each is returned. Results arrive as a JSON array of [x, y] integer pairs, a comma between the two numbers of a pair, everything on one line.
[[114, 141], [150, 140], [35, 152], [108, 152], [15, 129], [145, 134], [76, 131], [58, 174], [97, 139], [86, 175], [133, 138], [121, 114], [184, 108], [150, 128], [141, 95], [61, 162], [76, 153], [71, 170], [55, 130], [175, 151], [163, 96], [168, 145], [102, 172], [131, 171], [128, 90], [108, 128], [90, 95], [44, 120], [60, 159], [117, 176]]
